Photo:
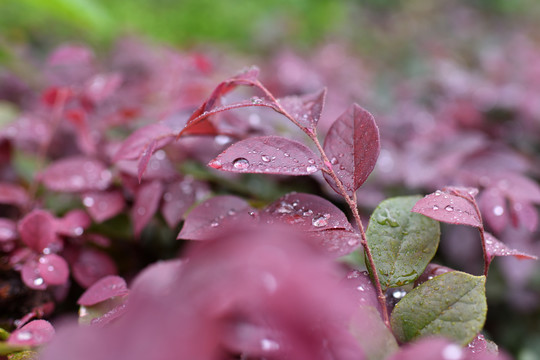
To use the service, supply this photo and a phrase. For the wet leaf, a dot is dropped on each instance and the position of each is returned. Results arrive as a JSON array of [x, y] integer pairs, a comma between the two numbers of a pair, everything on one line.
[[34, 333], [480, 347], [492, 204], [102, 313], [402, 242], [337, 242], [73, 223], [146, 204], [38, 230], [352, 145], [13, 194], [306, 109], [76, 174], [137, 142], [178, 197], [31, 277], [104, 289], [430, 348], [53, 269], [268, 155], [452, 305], [449, 208], [102, 86], [92, 265], [362, 289], [103, 205], [212, 216], [495, 247], [145, 158], [524, 214], [8, 230]]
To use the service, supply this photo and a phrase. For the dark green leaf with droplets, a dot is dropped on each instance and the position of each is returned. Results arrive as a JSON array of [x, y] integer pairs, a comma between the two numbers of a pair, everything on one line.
[[402, 242], [452, 305]]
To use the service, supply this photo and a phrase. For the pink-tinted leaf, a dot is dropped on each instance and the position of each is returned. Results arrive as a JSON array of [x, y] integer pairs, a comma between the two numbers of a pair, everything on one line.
[[268, 155], [159, 167], [13, 194], [91, 265], [524, 214], [306, 110], [8, 230], [31, 277], [85, 140], [516, 187], [146, 204], [158, 278], [480, 348], [53, 269], [177, 199], [104, 289], [448, 208], [37, 332], [103, 205], [336, 242], [38, 230], [69, 54], [307, 212], [430, 348], [73, 223], [211, 217], [76, 174], [352, 146], [102, 86], [360, 285], [495, 247], [492, 204], [145, 158], [137, 142], [110, 315]]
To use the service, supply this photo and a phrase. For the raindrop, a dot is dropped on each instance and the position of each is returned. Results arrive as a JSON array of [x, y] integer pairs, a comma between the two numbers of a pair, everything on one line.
[[141, 211], [214, 224], [266, 158], [435, 207], [352, 242], [231, 212], [285, 208], [286, 154], [38, 281], [398, 294], [269, 345], [256, 101], [320, 220], [222, 139], [160, 155], [24, 335], [311, 161], [333, 161], [498, 210], [241, 164], [88, 201], [438, 193], [449, 208], [50, 268], [452, 352], [78, 231], [360, 288], [311, 169]]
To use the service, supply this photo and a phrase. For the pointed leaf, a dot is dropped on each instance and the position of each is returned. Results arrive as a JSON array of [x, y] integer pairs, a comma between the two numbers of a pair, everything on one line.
[[145, 158], [448, 208], [34, 333], [307, 212], [452, 305], [352, 145], [146, 204], [209, 218], [13, 194], [306, 110], [76, 174], [482, 349], [53, 269], [402, 243], [137, 142], [104, 289], [91, 265], [268, 155], [38, 230], [495, 247], [103, 205]]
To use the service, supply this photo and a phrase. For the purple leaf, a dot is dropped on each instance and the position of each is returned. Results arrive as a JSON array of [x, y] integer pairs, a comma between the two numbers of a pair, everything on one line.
[[492, 204], [69, 54], [31, 277], [268, 155], [352, 146], [13, 194], [359, 283], [177, 199], [307, 212], [448, 208], [430, 348], [337, 242], [524, 214], [8, 230], [103, 205], [495, 247], [73, 223], [91, 265], [480, 348], [53, 269], [104, 289], [102, 86], [76, 174], [515, 186], [306, 110], [146, 204], [38, 230], [145, 158], [158, 278], [34, 333], [159, 168], [137, 142], [212, 216]]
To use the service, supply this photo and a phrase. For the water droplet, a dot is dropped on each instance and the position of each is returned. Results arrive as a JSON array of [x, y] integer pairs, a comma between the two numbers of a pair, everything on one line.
[[266, 158], [311, 161], [341, 155], [333, 161], [141, 211], [352, 242], [449, 208], [360, 288], [498, 210], [285, 208], [38, 281], [452, 352], [231, 212], [222, 140], [256, 101], [251, 213], [438, 193], [269, 345], [286, 154], [214, 224], [88, 201], [78, 231], [435, 207], [398, 294], [320, 220], [50, 268], [24, 335], [241, 164], [311, 169]]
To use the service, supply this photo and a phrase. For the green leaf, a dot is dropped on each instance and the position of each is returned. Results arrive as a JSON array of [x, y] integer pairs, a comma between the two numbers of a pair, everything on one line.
[[24, 355], [402, 242], [4, 334], [6, 348], [452, 305], [374, 337]]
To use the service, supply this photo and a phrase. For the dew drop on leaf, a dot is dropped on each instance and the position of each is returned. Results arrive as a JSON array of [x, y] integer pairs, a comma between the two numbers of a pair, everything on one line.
[[320, 220], [38, 281], [435, 207], [452, 352], [241, 164], [24, 335], [449, 208], [311, 169], [498, 210]]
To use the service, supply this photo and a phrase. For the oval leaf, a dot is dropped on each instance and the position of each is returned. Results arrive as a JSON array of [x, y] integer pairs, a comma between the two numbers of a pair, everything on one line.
[[352, 145], [53, 269], [34, 333], [73, 223], [91, 265], [452, 305], [210, 217], [76, 174], [268, 155], [449, 208], [104, 289], [103, 205], [38, 230], [403, 243], [31, 277]]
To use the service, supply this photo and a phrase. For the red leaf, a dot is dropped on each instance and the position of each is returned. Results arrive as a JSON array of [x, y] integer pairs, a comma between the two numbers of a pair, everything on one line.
[[268, 155], [146, 204], [337, 242], [53, 269], [103, 205], [34, 333], [452, 209], [307, 212], [492, 204], [145, 158], [31, 277], [137, 142], [177, 199], [104, 289], [495, 247], [91, 265], [306, 110], [38, 230], [73, 223], [352, 145], [8, 230], [76, 174], [13, 194], [211, 217]]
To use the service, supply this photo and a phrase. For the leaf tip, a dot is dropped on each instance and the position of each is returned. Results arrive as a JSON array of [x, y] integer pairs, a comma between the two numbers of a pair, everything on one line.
[[216, 164]]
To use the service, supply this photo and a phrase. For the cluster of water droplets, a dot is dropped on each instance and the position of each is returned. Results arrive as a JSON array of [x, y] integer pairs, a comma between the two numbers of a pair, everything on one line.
[[293, 212]]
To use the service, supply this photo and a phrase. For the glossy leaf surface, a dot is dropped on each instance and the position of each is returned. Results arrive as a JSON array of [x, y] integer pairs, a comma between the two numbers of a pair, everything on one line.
[[104, 289], [306, 109], [402, 242], [53, 269], [34, 333]]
